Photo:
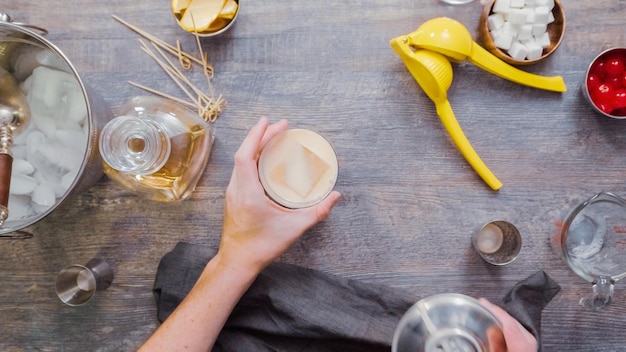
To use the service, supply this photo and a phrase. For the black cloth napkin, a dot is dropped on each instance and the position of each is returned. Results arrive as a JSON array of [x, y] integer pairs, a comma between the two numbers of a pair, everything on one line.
[[527, 298], [291, 308]]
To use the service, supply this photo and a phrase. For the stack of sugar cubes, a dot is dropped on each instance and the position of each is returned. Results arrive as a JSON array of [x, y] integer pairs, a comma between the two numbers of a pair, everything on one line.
[[49, 152], [520, 27]]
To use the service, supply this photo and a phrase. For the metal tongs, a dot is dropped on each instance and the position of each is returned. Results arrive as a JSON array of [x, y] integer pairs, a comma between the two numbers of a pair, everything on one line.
[[14, 116]]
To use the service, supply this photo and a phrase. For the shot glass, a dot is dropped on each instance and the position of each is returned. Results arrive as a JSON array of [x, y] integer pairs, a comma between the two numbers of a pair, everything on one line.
[[498, 242], [77, 284]]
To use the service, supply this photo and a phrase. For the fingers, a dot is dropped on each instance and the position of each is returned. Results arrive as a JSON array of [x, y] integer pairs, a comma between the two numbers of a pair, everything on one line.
[[517, 337], [246, 157], [320, 211], [272, 131], [323, 208], [250, 145]]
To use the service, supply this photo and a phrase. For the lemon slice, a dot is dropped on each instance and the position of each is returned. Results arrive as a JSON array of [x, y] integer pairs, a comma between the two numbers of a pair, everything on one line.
[[179, 5], [201, 13], [218, 24], [229, 10]]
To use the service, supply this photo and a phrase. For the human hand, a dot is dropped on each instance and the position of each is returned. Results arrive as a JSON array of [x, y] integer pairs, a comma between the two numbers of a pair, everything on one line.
[[517, 338], [257, 230]]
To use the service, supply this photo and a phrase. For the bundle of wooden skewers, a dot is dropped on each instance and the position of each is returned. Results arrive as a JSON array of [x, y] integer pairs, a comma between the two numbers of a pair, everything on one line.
[[207, 105]]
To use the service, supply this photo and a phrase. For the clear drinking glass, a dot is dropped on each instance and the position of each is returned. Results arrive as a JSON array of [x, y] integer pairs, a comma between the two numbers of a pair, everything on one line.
[[593, 242]]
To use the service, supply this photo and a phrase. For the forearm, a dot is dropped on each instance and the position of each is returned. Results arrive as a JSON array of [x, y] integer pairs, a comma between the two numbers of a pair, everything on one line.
[[198, 320]]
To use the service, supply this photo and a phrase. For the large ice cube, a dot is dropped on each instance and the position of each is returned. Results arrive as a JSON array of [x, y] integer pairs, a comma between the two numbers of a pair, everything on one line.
[[76, 140], [44, 195], [23, 167], [22, 184], [20, 207], [33, 141], [301, 171]]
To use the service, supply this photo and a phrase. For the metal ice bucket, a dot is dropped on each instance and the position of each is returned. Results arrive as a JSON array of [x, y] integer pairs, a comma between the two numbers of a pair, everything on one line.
[[16, 42]]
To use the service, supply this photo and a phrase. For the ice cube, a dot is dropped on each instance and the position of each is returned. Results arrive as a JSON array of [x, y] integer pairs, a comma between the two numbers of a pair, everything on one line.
[[18, 151], [50, 59], [47, 86], [61, 157], [26, 85], [66, 125], [44, 195], [20, 138], [58, 188], [44, 122], [24, 61], [72, 159], [75, 103], [22, 184], [33, 141], [76, 140], [302, 170], [68, 178], [20, 207], [23, 167], [45, 171]]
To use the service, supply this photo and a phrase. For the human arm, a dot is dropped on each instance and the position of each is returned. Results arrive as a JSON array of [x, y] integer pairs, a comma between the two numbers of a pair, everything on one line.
[[517, 338], [255, 232]]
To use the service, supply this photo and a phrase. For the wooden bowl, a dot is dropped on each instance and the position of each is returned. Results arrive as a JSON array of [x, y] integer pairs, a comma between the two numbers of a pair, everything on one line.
[[555, 29]]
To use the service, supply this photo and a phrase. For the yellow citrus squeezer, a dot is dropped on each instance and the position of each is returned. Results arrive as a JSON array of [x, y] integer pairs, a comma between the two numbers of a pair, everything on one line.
[[433, 72], [427, 53], [452, 39]]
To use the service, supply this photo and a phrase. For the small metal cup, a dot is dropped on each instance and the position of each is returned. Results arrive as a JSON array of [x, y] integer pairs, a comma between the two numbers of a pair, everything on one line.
[[215, 32], [498, 242], [618, 113], [448, 322], [76, 284]]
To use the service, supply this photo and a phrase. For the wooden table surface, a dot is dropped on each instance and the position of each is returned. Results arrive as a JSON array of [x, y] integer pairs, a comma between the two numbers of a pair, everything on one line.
[[410, 201]]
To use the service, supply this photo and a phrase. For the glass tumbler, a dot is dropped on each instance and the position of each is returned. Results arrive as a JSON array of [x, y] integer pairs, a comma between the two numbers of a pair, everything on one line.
[[593, 243]]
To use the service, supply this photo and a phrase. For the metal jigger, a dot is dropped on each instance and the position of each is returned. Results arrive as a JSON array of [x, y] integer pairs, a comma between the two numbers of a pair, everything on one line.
[[14, 115]]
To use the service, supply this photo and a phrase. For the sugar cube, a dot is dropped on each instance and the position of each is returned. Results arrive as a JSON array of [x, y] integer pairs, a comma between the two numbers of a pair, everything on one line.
[[503, 41], [525, 32], [517, 4], [518, 51], [534, 50], [518, 17], [495, 21], [502, 6], [539, 29], [542, 14], [543, 40]]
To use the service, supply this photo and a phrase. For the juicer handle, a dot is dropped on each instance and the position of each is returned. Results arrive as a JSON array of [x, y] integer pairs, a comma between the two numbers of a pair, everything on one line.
[[490, 63], [6, 166], [444, 110]]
